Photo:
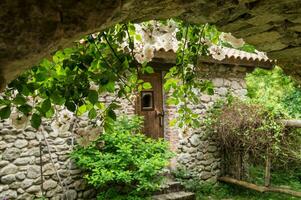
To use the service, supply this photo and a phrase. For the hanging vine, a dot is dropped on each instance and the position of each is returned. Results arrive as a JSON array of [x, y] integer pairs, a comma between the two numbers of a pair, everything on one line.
[[110, 63]]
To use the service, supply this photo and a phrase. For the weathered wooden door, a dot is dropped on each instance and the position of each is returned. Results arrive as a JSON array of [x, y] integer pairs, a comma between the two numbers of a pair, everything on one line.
[[150, 106]]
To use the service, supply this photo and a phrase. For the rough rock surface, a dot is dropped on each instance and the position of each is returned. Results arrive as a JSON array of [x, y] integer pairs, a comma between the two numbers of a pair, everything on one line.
[[31, 30], [199, 153]]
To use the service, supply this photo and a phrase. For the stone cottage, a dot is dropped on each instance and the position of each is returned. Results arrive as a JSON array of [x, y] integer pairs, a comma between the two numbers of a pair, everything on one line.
[[20, 150], [24, 155]]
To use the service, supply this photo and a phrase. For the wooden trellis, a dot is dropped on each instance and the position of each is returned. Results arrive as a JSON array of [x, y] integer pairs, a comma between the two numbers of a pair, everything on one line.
[[267, 176]]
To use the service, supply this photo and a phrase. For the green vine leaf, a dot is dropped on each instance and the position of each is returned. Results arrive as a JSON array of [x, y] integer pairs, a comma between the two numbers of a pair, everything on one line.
[[46, 105], [147, 85], [35, 120], [149, 70], [111, 114], [19, 100], [25, 109], [92, 114], [93, 96], [5, 112]]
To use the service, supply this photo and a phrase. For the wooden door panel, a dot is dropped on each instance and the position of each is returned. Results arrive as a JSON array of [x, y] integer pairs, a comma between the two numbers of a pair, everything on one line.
[[150, 105]]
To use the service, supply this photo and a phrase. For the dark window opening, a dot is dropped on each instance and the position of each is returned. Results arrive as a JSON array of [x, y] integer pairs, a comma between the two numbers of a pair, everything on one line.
[[147, 100]]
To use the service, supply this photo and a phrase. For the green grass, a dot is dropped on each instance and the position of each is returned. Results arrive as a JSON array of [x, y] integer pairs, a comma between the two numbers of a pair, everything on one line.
[[220, 191]]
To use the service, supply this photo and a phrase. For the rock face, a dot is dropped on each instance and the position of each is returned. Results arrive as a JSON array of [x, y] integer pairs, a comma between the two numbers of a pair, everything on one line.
[[198, 153], [31, 30]]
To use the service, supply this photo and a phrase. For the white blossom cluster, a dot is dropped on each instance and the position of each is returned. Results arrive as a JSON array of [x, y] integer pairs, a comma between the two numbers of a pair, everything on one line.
[[62, 122], [153, 37]]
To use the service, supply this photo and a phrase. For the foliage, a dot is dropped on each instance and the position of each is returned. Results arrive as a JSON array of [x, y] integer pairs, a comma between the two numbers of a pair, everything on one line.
[[182, 79], [276, 91], [239, 125], [281, 96], [251, 129], [103, 63], [75, 77], [123, 163], [217, 191]]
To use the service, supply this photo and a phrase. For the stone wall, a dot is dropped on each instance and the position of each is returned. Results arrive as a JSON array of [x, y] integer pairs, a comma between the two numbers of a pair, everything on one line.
[[198, 153], [20, 165], [20, 176]]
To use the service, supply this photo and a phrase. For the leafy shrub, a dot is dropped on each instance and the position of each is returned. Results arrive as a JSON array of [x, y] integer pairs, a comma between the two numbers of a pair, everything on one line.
[[276, 91], [240, 127], [281, 96], [122, 163]]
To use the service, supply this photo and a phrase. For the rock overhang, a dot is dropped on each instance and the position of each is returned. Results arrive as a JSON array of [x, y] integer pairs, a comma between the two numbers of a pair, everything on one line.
[[33, 30]]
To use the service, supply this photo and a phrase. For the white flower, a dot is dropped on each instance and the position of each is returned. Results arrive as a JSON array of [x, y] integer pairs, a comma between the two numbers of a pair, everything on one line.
[[148, 52], [18, 121], [172, 25], [217, 52], [93, 86], [95, 35], [206, 41], [166, 42], [228, 37], [60, 127], [65, 116], [82, 41], [148, 37], [139, 58]]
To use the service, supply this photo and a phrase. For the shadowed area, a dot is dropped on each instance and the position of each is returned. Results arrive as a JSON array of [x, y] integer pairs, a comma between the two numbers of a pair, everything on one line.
[[33, 29]]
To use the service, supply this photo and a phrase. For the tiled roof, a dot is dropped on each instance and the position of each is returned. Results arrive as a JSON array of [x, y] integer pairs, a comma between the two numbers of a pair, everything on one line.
[[232, 57], [238, 54]]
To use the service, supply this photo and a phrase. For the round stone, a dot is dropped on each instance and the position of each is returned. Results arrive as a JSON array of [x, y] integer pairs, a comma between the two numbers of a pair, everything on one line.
[[195, 140], [11, 154], [71, 195], [49, 184], [20, 143], [8, 179], [33, 172], [20, 176], [3, 145], [29, 135], [9, 169], [9, 194], [26, 183]]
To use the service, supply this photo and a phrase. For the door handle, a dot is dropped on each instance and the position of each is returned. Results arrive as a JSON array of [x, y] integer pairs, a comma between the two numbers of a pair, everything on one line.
[[161, 117]]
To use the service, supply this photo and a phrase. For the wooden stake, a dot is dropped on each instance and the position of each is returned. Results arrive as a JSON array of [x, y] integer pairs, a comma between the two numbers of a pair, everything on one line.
[[267, 176]]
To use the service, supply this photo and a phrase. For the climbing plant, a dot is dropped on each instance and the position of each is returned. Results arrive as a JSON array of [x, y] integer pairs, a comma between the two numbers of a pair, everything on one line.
[[111, 62]]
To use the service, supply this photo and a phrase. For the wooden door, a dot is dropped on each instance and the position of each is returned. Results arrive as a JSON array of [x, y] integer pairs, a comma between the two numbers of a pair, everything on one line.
[[150, 106]]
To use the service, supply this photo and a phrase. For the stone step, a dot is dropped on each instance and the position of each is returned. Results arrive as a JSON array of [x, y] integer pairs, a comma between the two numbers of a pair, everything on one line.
[[169, 187], [175, 196]]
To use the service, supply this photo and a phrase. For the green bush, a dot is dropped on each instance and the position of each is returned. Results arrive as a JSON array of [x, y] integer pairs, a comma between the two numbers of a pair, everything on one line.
[[122, 163], [276, 91]]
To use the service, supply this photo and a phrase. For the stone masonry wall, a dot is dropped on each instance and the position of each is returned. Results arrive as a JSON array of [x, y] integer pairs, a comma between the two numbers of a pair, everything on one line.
[[20, 176], [20, 168], [197, 153]]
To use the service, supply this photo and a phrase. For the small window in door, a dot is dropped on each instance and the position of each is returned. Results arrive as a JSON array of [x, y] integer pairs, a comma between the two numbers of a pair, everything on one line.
[[147, 100]]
